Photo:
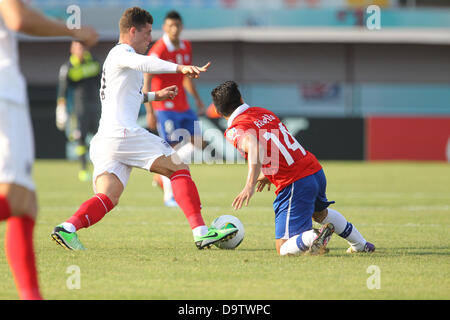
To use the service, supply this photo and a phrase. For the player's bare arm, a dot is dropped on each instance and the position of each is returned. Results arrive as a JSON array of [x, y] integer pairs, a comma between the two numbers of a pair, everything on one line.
[[249, 144], [189, 85], [150, 115], [21, 18]]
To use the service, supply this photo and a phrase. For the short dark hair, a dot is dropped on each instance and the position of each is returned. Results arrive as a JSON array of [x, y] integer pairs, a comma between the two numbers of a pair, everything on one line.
[[173, 15], [134, 17], [226, 98]]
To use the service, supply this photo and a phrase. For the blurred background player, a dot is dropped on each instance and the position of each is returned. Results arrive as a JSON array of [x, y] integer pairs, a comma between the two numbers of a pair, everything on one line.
[[168, 116], [18, 204], [121, 144], [275, 156], [78, 104]]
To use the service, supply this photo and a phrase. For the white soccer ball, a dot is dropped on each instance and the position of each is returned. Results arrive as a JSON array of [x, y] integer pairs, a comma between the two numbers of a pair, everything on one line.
[[229, 221]]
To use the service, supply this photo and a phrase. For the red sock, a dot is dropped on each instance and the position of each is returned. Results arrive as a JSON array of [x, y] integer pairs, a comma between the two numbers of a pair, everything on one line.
[[5, 211], [91, 211], [186, 195], [20, 254]]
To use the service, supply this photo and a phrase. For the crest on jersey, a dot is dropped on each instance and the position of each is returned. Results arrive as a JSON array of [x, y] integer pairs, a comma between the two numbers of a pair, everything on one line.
[[232, 134]]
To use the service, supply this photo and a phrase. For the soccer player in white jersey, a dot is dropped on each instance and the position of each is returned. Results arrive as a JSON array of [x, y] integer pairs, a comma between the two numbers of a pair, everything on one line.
[[120, 144], [17, 191]]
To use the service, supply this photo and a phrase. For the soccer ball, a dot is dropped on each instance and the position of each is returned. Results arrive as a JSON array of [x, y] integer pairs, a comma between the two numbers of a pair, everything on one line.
[[229, 221]]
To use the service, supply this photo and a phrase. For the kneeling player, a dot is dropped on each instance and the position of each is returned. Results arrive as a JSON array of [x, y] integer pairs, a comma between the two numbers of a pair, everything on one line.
[[275, 156]]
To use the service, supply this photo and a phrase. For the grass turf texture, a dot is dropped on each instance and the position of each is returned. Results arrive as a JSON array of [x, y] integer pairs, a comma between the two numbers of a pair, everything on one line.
[[143, 250]]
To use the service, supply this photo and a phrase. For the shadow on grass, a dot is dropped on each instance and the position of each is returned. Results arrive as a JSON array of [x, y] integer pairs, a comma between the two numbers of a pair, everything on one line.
[[394, 252]]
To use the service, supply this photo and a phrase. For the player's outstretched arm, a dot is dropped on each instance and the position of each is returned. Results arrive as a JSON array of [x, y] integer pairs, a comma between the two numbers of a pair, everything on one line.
[[21, 18]]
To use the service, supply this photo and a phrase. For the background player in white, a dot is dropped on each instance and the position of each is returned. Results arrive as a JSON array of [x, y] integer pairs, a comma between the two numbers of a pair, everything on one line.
[[120, 144], [18, 205]]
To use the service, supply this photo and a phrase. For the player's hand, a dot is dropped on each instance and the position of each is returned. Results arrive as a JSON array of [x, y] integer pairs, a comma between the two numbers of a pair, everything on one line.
[[61, 117], [193, 71], [261, 183], [243, 198], [87, 35], [167, 93]]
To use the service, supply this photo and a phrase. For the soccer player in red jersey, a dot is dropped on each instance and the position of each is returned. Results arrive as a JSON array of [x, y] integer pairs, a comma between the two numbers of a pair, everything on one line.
[[275, 157], [174, 119]]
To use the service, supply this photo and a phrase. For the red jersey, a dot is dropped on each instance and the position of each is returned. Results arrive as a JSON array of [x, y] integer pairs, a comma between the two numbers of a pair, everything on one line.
[[165, 50], [285, 160]]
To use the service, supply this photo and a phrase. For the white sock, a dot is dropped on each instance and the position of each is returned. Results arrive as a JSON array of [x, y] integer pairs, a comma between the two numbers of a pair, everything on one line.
[[200, 231], [345, 229], [167, 186], [294, 245], [185, 152], [69, 227]]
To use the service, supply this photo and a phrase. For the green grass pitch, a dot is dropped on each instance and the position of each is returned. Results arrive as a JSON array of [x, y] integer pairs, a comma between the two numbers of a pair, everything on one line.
[[143, 250]]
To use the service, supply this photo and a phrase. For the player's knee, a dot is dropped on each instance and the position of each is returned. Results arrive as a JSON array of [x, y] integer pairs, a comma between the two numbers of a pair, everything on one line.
[[114, 200], [176, 167], [319, 216], [22, 208], [21, 200]]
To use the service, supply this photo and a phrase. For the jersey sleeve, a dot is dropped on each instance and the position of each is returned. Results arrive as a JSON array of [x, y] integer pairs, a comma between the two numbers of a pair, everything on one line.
[[147, 64]]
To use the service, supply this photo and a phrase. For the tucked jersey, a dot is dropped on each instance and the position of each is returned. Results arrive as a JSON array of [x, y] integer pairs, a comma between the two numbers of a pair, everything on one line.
[[285, 160], [164, 49], [121, 88], [12, 82]]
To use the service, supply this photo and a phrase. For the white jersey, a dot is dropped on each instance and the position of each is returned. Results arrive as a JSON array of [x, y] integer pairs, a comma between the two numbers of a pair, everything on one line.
[[12, 82], [121, 88]]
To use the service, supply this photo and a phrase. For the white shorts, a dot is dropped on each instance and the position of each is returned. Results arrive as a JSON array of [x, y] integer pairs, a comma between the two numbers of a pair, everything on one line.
[[118, 155], [16, 145]]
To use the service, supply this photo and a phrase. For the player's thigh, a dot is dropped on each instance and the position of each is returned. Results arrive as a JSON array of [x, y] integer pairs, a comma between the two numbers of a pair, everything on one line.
[[110, 175], [189, 121], [171, 127], [294, 207], [166, 125], [143, 149], [192, 125], [321, 202]]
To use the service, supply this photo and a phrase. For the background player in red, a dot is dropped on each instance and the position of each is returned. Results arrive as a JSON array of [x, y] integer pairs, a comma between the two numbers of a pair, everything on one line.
[[169, 117], [275, 157]]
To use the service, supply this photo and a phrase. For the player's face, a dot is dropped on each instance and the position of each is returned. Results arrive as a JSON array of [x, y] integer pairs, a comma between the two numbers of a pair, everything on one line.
[[173, 29], [77, 49], [143, 38]]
